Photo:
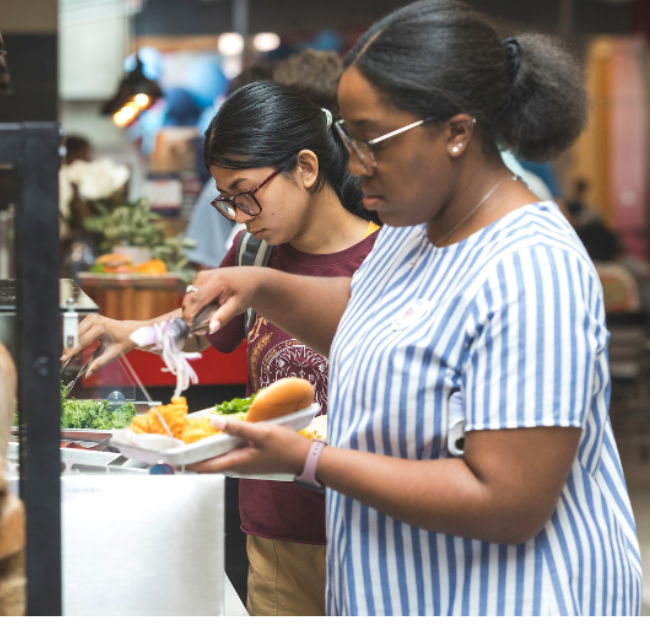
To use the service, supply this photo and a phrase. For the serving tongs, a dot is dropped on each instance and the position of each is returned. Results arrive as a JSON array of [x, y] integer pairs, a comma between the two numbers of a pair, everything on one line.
[[181, 331], [82, 370]]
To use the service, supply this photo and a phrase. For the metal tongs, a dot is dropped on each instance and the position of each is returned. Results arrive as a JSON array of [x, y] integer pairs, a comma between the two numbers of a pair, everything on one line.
[[82, 370], [181, 331]]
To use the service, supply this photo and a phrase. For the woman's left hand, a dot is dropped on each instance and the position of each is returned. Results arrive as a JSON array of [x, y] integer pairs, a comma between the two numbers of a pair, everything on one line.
[[270, 449]]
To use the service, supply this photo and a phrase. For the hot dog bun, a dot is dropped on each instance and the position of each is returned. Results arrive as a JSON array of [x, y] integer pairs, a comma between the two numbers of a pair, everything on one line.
[[282, 397]]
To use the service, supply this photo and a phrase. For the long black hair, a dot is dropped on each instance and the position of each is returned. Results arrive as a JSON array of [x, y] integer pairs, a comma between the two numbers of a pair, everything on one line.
[[264, 124], [441, 57]]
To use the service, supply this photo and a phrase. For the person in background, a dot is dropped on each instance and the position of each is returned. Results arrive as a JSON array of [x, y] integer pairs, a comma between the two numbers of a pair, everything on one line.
[[471, 467], [5, 79], [314, 74], [602, 243], [76, 243], [544, 171], [261, 71], [12, 514], [77, 148], [625, 278], [536, 185], [282, 171]]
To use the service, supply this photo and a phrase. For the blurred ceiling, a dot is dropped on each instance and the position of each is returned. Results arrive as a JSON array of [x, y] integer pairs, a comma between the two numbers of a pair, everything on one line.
[[171, 17]]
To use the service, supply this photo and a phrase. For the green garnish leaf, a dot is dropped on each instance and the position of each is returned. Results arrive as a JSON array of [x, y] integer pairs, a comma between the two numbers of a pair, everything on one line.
[[235, 406]]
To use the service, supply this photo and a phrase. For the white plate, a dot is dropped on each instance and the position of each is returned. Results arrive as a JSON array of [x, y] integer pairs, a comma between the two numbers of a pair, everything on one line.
[[214, 446], [319, 423]]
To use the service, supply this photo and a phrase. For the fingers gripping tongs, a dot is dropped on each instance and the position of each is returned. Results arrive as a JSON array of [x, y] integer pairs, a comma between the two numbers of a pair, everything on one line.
[[181, 331], [82, 370]]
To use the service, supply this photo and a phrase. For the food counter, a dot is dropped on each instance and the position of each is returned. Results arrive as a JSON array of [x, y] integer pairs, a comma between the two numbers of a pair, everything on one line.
[[133, 296], [213, 368], [129, 546], [135, 544], [95, 542]]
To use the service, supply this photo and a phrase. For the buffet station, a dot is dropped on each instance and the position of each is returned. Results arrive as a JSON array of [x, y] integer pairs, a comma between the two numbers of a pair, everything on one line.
[[109, 530], [99, 484], [112, 439], [141, 296]]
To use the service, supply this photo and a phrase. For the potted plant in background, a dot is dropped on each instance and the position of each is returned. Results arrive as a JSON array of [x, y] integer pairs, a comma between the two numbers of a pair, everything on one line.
[[132, 230], [82, 185]]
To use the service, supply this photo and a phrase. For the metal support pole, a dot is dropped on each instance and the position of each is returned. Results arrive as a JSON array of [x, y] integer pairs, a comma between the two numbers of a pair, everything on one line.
[[565, 19], [240, 17], [39, 349], [240, 22]]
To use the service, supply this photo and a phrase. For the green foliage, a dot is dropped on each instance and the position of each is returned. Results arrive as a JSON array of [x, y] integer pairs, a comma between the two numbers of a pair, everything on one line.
[[135, 224], [171, 253], [129, 224]]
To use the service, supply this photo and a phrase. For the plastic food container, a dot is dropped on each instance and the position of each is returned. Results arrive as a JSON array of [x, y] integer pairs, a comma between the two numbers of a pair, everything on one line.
[[182, 454]]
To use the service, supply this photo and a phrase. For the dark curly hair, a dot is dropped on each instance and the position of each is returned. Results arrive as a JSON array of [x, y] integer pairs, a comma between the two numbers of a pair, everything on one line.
[[441, 57], [314, 73]]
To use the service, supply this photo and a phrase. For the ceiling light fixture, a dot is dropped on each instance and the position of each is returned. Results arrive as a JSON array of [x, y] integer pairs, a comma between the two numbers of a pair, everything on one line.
[[230, 44], [265, 42], [135, 94]]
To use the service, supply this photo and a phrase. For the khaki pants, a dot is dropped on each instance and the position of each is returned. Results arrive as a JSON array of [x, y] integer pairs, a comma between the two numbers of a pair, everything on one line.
[[285, 578]]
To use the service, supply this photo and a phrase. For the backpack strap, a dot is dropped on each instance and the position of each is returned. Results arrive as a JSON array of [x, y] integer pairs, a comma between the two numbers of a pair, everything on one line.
[[252, 252]]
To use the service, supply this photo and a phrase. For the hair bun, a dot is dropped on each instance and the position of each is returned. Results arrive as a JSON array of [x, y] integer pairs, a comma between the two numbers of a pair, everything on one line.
[[546, 108]]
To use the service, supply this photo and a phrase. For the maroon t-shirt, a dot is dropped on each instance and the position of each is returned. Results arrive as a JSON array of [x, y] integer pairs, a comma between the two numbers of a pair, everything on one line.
[[276, 509]]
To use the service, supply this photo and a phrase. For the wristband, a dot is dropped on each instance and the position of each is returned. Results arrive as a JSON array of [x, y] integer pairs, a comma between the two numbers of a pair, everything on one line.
[[308, 477]]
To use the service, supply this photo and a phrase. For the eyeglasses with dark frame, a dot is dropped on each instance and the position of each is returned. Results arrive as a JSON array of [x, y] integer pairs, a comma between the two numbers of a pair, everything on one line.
[[245, 201], [363, 149]]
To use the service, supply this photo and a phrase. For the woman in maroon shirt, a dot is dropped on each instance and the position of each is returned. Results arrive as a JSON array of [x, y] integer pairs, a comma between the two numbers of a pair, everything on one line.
[[282, 171], [304, 203]]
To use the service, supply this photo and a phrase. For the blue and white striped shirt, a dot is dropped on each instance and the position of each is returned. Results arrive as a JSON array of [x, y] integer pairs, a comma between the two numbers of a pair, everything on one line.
[[513, 318]]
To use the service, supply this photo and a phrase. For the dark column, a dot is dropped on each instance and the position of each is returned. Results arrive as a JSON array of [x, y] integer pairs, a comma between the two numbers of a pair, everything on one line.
[[33, 150]]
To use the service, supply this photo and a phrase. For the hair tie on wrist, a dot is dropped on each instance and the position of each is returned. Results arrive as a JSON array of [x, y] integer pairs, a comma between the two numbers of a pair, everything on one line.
[[328, 117], [513, 55]]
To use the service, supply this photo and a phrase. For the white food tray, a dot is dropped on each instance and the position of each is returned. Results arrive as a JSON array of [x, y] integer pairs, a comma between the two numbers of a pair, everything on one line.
[[214, 446]]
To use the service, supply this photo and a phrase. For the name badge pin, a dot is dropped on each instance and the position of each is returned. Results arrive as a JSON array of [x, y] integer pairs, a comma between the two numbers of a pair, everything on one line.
[[411, 314]]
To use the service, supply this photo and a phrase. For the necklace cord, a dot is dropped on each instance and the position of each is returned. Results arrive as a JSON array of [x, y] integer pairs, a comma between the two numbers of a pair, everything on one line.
[[471, 212]]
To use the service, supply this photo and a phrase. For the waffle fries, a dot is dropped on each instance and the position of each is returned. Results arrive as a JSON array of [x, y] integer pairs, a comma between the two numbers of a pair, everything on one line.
[[175, 415]]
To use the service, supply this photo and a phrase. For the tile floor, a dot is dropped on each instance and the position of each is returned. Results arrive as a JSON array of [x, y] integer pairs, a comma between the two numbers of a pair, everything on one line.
[[632, 431], [641, 505]]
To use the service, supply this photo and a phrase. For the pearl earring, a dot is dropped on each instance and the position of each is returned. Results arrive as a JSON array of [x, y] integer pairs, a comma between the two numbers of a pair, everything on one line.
[[455, 149]]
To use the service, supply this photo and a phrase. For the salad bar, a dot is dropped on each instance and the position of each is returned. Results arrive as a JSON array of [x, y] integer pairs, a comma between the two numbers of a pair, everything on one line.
[[170, 434], [75, 497]]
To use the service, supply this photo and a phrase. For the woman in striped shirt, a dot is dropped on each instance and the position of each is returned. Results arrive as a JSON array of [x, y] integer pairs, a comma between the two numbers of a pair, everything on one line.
[[471, 466]]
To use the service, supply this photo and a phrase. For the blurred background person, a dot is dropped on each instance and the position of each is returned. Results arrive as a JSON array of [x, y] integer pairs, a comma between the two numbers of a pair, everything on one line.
[[314, 73], [602, 244], [77, 148]]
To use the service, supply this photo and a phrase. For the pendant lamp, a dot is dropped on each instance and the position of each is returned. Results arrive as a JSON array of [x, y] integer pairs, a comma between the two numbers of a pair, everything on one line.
[[135, 94]]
